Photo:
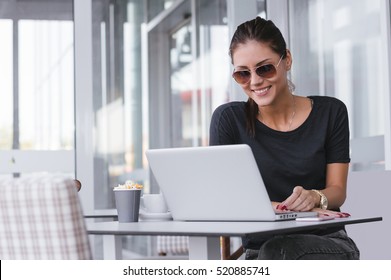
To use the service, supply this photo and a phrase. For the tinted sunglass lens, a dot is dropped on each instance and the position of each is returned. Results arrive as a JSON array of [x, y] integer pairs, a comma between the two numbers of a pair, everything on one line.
[[242, 77], [266, 71]]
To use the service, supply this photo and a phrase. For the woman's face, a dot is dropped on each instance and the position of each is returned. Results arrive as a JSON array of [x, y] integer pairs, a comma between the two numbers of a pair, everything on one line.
[[264, 91]]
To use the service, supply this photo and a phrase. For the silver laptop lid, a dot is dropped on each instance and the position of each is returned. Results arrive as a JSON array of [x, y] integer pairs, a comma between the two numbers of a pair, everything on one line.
[[215, 183]]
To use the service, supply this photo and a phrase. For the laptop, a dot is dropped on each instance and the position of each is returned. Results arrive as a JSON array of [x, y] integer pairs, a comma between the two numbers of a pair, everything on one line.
[[214, 183]]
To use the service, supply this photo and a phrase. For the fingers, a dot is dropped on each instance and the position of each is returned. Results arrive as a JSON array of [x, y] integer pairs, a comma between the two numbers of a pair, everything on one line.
[[300, 200], [293, 197], [331, 213]]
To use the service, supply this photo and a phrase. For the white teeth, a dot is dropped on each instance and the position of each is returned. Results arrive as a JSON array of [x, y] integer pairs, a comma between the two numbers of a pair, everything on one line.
[[261, 91]]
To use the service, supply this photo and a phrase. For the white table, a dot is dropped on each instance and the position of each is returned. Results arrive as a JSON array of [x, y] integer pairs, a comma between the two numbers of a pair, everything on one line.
[[204, 237]]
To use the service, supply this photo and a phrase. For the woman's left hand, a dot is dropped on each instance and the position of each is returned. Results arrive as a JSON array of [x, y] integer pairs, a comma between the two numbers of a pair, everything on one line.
[[331, 213], [301, 200]]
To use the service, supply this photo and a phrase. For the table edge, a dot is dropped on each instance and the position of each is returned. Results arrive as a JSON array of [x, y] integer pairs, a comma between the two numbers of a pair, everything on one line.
[[303, 226]]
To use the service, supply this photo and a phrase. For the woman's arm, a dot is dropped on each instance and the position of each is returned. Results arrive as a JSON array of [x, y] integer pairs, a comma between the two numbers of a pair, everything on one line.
[[336, 180], [335, 191]]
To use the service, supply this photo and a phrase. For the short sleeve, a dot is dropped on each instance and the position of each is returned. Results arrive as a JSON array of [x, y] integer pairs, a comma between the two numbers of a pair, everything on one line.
[[222, 130], [337, 145]]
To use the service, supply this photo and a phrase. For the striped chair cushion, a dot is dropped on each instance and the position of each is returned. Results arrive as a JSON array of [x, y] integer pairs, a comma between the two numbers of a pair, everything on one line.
[[41, 218], [173, 245]]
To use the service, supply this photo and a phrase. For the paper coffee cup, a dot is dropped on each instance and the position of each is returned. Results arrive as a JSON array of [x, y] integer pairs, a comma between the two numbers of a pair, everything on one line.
[[127, 202]]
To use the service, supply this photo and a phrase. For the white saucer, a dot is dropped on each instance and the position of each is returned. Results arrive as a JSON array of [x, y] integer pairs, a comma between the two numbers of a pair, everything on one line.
[[144, 216]]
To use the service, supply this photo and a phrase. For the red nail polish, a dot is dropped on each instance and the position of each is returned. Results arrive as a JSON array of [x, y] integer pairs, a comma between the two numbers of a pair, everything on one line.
[[326, 215], [278, 206], [346, 214], [283, 207]]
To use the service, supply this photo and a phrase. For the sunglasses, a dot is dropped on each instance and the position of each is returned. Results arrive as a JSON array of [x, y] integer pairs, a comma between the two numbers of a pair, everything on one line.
[[266, 71]]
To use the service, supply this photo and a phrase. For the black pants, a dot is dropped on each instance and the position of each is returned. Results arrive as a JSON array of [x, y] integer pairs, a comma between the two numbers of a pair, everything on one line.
[[334, 246]]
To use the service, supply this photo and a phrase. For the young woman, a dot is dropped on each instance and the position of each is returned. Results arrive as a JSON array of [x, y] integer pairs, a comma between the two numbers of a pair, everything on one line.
[[301, 144]]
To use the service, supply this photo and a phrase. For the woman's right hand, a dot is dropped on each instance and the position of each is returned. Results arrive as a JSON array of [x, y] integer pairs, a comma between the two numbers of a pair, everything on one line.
[[301, 200]]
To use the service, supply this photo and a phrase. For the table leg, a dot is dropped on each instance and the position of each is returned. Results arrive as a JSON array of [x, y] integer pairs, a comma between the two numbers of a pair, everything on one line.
[[112, 247], [204, 248]]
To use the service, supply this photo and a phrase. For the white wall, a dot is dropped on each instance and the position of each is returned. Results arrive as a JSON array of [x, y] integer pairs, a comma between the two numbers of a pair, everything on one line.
[[369, 194]]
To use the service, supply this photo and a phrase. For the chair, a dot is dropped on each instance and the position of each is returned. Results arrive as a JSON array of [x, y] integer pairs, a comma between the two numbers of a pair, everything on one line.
[[172, 245], [41, 218], [178, 245], [225, 244]]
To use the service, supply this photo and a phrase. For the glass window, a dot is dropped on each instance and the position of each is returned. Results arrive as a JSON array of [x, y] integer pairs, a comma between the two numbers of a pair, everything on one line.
[[118, 137], [261, 8], [6, 84], [154, 7], [182, 95], [200, 73], [117, 104], [337, 51], [46, 86], [37, 87], [213, 61]]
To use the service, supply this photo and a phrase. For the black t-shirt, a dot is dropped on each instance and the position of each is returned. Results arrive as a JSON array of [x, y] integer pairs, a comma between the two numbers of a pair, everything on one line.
[[288, 159]]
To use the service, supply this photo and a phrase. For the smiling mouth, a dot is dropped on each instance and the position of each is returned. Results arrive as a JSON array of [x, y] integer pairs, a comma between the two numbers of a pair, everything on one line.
[[262, 91]]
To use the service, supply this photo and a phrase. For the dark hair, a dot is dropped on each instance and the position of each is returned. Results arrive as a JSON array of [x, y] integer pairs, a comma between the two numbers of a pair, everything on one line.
[[263, 31]]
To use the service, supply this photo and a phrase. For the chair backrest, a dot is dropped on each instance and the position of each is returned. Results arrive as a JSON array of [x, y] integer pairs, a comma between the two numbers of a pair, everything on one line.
[[41, 218]]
